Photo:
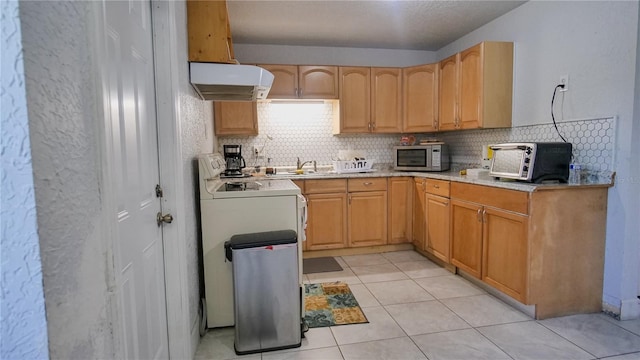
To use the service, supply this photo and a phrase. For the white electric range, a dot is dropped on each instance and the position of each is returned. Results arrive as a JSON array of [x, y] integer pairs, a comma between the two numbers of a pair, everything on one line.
[[232, 206]]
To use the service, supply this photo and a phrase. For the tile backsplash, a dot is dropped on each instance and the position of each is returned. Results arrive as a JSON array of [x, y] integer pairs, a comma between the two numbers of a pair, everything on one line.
[[291, 130], [304, 130], [593, 141]]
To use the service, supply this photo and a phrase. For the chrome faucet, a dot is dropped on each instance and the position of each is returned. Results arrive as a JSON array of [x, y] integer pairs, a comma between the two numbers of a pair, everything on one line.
[[299, 164]]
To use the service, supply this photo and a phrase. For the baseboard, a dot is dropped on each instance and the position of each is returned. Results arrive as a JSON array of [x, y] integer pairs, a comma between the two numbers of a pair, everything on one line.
[[611, 310], [436, 260], [529, 310], [628, 309], [356, 251]]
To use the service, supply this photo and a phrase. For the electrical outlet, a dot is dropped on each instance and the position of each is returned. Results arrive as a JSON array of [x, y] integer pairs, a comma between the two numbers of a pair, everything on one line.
[[257, 153], [564, 80]]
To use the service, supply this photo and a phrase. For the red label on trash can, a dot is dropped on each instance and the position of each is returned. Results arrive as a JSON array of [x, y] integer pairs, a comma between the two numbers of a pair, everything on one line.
[[270, 247]]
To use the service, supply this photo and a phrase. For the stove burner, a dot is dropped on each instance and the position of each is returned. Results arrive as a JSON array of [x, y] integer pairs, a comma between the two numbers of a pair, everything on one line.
[[240, 186], [234, 175]]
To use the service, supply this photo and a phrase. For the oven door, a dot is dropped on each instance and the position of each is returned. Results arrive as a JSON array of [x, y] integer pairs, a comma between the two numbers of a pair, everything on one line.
[[511, 161], [414, 158]]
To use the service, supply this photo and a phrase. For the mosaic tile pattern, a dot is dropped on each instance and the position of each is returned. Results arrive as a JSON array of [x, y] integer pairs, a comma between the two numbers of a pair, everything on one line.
[[305, 130], [593, 141]]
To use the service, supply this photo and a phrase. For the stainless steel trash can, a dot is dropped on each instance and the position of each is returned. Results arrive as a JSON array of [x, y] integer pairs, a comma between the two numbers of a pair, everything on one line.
[[266, 288]]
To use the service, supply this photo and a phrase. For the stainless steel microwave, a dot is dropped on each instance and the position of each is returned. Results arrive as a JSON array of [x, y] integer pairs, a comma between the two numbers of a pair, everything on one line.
[[531, 162], [432, 157]]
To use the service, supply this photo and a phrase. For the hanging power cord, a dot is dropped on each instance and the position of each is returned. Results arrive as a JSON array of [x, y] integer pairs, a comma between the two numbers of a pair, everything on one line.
[[261, 151], [560, 86]]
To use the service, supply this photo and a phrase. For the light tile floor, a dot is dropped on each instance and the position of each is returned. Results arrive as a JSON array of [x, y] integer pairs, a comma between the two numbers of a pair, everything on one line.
[[417, 310]]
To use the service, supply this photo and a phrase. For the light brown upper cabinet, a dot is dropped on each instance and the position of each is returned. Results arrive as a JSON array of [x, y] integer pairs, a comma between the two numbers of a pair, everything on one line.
[[448, 94], [355, 99], [476, 87], [303, 82], [235, 118], [370, 100], [420, 95], [209, 32], [386, 100]]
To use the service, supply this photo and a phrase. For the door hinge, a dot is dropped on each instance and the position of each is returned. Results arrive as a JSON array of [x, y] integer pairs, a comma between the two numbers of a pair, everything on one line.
[[159, 192]]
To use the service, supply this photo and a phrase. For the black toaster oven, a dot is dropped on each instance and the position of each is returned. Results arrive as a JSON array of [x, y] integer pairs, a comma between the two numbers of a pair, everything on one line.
[[531, 162]]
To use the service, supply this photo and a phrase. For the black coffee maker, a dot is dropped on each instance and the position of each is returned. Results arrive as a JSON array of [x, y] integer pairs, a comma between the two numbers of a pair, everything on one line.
[[234, 160]]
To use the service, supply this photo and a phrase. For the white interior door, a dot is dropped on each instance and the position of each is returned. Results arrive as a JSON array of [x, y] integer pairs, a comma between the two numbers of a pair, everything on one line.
[[138, 255]]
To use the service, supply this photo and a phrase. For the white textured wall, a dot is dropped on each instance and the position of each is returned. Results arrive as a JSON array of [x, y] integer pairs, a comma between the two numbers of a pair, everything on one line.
[[596, 44], [22, 313], [63, 124], [195, 137], [635, 170]]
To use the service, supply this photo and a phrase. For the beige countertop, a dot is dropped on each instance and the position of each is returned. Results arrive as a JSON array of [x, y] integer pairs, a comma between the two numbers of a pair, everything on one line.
[[606, 180]]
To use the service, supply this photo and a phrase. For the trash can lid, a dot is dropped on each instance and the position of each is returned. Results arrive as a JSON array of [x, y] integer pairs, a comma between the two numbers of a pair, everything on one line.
[[246, 241]]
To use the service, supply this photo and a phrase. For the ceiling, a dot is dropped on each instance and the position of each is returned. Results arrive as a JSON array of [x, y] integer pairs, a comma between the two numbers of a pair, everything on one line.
[[402, 24]]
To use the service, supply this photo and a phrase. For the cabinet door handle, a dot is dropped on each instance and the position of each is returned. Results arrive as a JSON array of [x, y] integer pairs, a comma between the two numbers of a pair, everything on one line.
[[300, 92], [349, 200], [480, 215], [367, 183], [484, 216], [436, 186]]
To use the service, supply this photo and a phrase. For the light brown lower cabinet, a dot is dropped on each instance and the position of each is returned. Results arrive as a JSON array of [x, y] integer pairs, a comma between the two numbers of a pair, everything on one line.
[[419, 208], [437, 226], [400, 206], [436, 211], [533, 246], [466, 236], [431, 217], [345, 213], [504, 252], [327, 214], [367, 212], [491, 244]]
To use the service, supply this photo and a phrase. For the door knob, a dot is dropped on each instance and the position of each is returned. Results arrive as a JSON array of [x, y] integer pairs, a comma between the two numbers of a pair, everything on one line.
[[168, 218]]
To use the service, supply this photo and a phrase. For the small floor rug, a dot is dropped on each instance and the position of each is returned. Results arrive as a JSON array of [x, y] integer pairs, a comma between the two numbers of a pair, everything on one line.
[[321, 264], [330, 304]]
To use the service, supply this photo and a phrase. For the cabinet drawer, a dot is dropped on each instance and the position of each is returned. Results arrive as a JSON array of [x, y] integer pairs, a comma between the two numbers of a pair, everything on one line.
[[510, 200], [325, 186], [437, 187], [368, 184]]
